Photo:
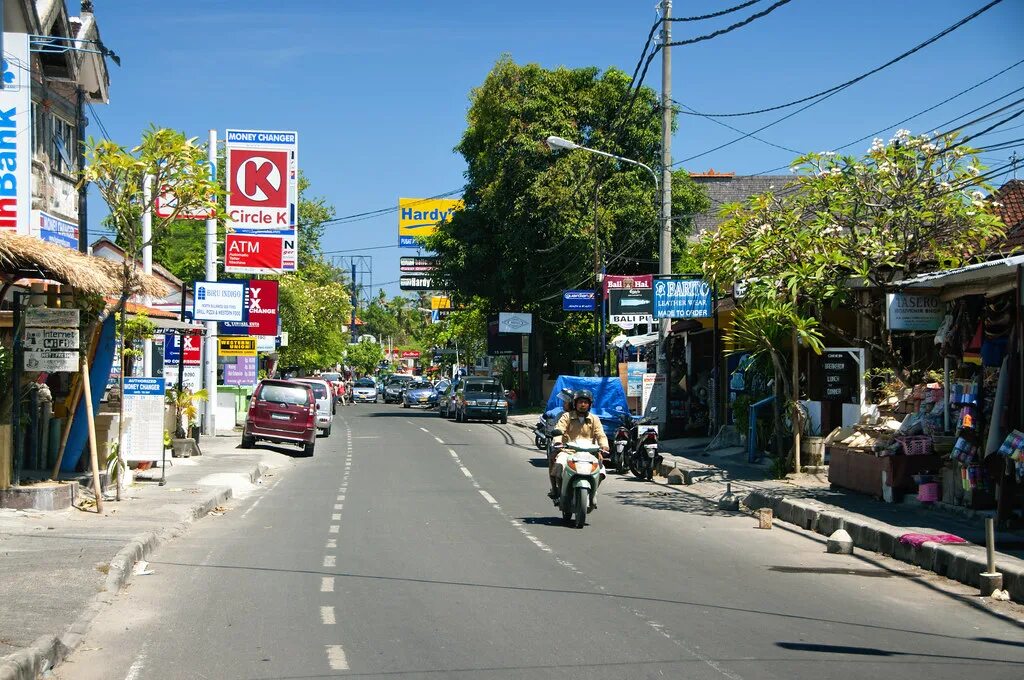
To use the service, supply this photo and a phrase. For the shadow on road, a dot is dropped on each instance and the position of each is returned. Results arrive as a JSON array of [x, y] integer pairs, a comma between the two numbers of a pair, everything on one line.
[[672, 500]]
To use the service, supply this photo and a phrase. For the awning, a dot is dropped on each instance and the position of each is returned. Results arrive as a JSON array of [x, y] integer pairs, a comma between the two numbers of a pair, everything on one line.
[[641, 340], [984, 278]]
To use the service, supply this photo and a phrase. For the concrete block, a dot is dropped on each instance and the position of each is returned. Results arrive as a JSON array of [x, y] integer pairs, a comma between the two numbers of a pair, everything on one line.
[[989, 583], [840, 543], [675, 476]]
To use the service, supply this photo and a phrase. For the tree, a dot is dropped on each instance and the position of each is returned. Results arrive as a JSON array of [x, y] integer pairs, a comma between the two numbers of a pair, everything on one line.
[[913, 205], [314, 306], [464, 329], [364, 356], [119, 174], [528, 227]]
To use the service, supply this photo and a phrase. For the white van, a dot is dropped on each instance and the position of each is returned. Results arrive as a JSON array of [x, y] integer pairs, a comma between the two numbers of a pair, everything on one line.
[[323, 394]]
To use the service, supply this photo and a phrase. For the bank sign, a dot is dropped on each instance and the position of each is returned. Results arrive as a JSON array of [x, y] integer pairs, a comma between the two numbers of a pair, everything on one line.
[[262, 203], [419, 217], [682, 299], [15, 136]]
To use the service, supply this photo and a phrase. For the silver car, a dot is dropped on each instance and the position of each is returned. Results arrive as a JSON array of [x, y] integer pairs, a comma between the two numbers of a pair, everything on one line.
[[324, 395], [364, 390]]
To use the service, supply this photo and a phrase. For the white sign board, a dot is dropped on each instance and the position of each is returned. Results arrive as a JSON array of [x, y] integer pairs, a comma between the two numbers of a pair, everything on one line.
[[51, 338], [51, 361], [655, 395], [51, 317], [16, 136], [266, 343], [191, 378], [912, 312], [513, 322], [635, 371], [144, 416], [219, 301]]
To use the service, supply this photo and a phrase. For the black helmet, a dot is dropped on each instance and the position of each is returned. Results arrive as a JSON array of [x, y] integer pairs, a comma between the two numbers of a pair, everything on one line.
[[582, 394]]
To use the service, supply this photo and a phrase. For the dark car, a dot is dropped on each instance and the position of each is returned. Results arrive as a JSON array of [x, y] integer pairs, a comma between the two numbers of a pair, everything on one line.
[[395, 386], [281, 411], [481, 398], [419, 394], [446, 399]]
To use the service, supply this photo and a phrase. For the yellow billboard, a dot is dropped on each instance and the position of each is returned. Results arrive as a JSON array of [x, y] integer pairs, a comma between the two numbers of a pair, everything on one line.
[[418, 217], [440, 302]]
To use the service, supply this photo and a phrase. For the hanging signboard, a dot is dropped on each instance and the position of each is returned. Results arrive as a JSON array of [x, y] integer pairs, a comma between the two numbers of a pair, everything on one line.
[[630, 305], [416, 283], [16, 135], [419, 217], [515, 322], [578, 300], [52, 229], [682, 299], [51, 317], [51, 361], [410, 354], [259, 310], [51, 338], [218, 301], [236, 346], [913, 312], [625, 282], [417, 264], [635, 378], [144, 416], [500, 344], [262, 202]]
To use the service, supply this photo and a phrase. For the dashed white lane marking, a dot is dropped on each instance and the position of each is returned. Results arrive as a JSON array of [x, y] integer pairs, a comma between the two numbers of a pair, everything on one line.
[[334, 528], [329, 560], [336, 658], [425, 429], [452, 451], [465, 471], [337, 506], [136, 667], [336, 516], [341, 497], [332, 543], [488, 497], [327, 584], [439, 440], [327, 616]]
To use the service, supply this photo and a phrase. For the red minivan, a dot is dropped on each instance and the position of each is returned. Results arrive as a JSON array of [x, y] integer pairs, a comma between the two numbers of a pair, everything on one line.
[[281, 411]]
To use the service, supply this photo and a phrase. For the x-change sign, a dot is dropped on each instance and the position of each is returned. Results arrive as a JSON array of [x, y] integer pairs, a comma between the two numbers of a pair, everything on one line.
[[259, 310], [262, 202], [682, 299]]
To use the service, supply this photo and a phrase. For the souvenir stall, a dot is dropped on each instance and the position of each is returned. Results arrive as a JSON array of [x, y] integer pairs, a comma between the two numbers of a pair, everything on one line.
[[691, 358]]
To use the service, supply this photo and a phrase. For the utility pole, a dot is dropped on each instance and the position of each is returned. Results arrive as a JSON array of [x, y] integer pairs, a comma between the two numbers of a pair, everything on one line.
[[147, 263], [665, 243], [355, 301], [597, 284], [210, 363], [83, 190]]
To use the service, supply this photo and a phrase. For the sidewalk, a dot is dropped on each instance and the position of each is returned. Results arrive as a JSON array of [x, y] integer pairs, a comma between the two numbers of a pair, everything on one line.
[[808, 501], [58, 569]]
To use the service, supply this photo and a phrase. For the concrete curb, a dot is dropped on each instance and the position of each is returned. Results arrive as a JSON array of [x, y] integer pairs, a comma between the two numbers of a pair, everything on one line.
[[49, 650], [959, 562]]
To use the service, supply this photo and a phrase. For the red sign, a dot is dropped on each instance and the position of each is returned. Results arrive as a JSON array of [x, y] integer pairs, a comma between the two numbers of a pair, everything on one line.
[[263, 298], [410, 354], [248, 252], [191, 351], [613, 282], [258, 179]]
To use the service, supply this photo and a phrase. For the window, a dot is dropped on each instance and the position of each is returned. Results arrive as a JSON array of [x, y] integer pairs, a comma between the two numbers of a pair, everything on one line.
[[62, 148], [38, 130], [285, 395]]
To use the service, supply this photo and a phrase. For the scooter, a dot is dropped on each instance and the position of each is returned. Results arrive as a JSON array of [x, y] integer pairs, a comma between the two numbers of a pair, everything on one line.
[[581, 477], [621, 443], [644, 457], [540, 434]]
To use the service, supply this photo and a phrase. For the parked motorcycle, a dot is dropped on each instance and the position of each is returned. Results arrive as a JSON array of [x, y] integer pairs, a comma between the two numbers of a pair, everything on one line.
[[581, 477], [540, 434], [621, 443]]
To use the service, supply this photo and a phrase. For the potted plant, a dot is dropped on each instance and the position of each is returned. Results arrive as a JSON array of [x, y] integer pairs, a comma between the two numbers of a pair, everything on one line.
[[186, 412]]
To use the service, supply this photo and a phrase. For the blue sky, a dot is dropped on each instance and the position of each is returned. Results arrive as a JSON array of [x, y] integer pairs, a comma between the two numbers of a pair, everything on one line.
[[379, 91]]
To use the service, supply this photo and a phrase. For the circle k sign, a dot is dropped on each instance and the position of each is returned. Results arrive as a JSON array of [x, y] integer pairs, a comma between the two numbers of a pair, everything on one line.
[[258, 178]]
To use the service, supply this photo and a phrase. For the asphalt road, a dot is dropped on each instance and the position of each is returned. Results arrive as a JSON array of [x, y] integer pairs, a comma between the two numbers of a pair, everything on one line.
[[415, 547]]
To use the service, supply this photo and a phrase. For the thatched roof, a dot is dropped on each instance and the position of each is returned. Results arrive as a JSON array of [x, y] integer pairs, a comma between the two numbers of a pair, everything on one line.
[[27, 257]]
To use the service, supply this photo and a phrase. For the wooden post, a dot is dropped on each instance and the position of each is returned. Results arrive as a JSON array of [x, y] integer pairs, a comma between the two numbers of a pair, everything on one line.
[[93, 457], [797, 424], [76, 397]]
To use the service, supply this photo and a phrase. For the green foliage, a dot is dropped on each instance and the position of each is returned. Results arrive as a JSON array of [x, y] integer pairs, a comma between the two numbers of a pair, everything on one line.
[[314, 305], [365, 356]]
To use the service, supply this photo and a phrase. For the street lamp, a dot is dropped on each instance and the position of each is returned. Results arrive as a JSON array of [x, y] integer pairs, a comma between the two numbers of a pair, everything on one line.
[[553, 143]]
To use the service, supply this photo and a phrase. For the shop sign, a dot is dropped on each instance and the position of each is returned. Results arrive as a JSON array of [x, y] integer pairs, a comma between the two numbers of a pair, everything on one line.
[[841, 379], [52, 229], [51, 361], [578, 300], [191, 376], [51, 317], [616, 282], [236, 346], [219, 301], [630, 305], [682, 299], [51, 338], [515, 323], [144, 416], [417, 264], [914, 312], [410, 354], [419, 217], [635, 378], [259, 310], [16, 135], [416, 283], [173, 349], [243, 372]]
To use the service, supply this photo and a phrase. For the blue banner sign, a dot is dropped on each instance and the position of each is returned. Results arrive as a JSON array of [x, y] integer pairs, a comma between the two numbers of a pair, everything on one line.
[[144, 387], [578, 300], [682, 299]]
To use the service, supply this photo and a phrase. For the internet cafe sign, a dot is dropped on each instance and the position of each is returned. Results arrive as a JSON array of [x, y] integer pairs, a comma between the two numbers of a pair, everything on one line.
[[913, 312]]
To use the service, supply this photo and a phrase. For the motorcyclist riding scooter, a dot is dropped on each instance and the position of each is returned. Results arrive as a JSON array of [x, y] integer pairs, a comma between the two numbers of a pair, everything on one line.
[[579, 423]]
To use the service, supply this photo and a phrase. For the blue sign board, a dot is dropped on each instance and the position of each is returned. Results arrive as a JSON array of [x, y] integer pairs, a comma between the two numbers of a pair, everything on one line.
[[172, 348], [682, 299], [55, 230], [144, 387], [578, 300]]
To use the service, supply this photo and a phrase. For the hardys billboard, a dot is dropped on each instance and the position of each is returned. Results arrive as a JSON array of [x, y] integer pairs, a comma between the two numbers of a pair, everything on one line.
[[419, 217]]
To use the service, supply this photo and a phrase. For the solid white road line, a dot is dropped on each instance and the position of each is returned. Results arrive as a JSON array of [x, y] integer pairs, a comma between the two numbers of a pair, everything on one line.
[[327, 584], [488, 497], [330, 560], [336, 658]]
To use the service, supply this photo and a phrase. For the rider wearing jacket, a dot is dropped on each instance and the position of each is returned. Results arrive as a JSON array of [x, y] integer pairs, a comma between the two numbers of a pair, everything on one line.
[[579, 423]]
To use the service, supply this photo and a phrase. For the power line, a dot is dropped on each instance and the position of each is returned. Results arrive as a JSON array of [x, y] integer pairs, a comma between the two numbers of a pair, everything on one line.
[[721, 13], [738, 24], [736, 129], [853, 81]]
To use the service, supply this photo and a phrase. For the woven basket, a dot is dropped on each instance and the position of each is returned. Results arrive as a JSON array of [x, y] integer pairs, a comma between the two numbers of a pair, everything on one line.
[[916, 446]]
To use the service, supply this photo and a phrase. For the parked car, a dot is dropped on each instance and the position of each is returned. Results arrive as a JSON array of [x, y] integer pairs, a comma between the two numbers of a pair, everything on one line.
[[324, 402], [419, 393], [394, 387], [335, 379], [446, 400], [481, 398], [281, 411], [364, 390]]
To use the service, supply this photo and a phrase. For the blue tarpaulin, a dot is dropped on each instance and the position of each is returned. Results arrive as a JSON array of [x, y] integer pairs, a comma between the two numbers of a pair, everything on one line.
[[609, 398]]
